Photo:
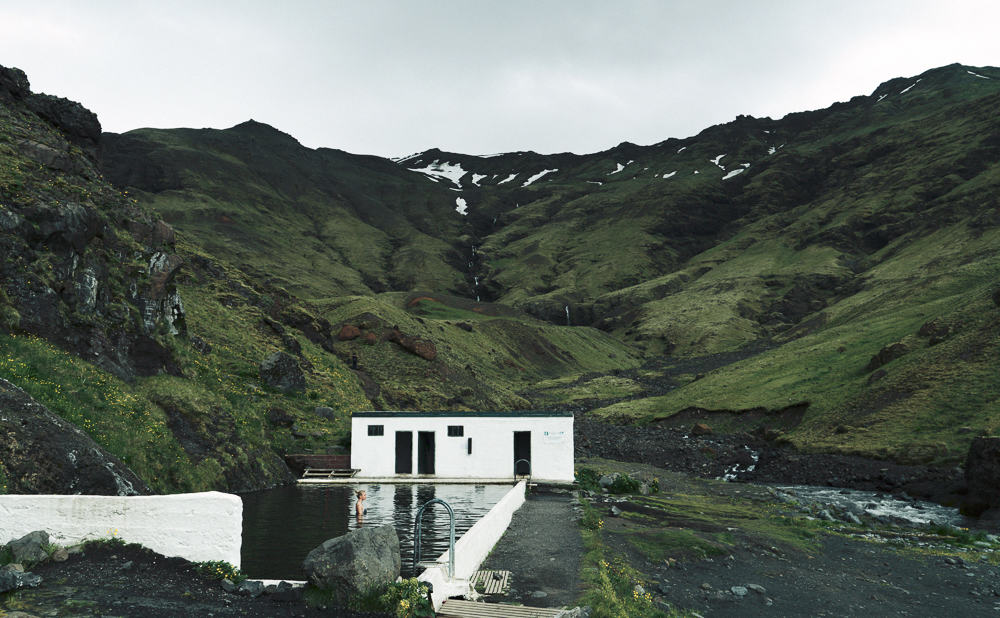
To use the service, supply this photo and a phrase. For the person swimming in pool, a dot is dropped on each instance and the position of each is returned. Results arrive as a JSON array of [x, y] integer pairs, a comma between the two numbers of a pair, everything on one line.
[[359, 507]]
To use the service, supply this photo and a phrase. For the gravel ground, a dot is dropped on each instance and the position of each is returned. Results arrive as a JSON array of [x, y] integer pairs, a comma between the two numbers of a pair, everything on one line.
[[134, 581]]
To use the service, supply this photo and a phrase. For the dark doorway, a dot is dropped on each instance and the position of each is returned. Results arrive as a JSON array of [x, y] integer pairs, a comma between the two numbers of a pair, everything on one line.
[[522, 452], [425, 452], [404, 452]]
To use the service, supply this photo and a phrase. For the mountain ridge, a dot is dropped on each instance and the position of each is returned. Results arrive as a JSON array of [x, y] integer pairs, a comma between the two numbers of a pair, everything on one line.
[[842, 260]]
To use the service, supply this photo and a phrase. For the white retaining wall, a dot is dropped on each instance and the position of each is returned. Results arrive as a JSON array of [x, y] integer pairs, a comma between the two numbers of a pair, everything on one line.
[[472, 548], [199, 527]]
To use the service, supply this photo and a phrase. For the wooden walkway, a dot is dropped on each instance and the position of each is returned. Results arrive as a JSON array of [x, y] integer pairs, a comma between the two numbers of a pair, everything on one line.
[[454, 608], [491, 582], [328, 473]]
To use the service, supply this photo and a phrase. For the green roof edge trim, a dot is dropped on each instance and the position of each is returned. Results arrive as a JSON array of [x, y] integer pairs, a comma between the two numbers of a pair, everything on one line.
[[518, 414]]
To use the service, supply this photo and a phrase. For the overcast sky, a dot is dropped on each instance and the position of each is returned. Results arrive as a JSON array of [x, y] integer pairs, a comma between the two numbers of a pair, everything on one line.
[[396, 77]]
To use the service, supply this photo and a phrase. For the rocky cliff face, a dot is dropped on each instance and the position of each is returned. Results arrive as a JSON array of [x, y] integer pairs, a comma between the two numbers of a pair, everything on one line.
[[41, 453], [83, 266]]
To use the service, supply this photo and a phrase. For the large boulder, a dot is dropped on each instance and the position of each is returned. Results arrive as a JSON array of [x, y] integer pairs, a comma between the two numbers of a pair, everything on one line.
[[281, 371], [30, 548], [982, 475], [13, 578], [353, 564]]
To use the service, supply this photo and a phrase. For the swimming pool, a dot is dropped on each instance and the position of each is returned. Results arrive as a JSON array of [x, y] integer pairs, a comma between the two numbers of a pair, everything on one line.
[[282, 525]]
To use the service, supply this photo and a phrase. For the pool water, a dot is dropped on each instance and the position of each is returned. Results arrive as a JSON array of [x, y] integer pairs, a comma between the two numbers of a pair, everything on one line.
[[282, 525]]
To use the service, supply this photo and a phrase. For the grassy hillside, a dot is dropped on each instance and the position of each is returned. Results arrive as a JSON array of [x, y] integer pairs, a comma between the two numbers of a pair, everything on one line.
[[486, 354], [317, 222], [842, 261]]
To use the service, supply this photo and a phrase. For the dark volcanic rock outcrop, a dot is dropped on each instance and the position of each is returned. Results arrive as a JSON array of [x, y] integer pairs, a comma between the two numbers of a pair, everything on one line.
[[41, 453], [68, 274], [982, 473], [281, 371]]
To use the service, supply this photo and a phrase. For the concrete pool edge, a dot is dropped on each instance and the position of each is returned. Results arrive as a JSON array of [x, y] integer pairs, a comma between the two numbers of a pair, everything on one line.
[[472, 548]]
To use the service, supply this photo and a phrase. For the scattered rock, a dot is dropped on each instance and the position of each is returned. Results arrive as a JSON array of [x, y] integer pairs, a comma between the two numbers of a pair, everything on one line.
[[756, 588], [615, 511], [14, 579], [877, 375], [349, 565], [886, 355], [701, 429], [250, 588], [826, 516], [291, 344], [371, 338], [62, 555], [739, 591], [277, 417], [201, 345], [228, 585], [465, 326], [539, 594], [325, 412], [281, 371], [852, 518]]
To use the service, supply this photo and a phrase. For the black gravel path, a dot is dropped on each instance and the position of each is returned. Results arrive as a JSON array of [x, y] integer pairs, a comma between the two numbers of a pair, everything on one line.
[[542, 550]]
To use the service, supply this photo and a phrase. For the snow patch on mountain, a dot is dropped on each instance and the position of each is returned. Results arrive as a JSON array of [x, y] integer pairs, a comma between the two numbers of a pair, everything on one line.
[[681, 149], [407, 157], [446, 170], [508, 179], [716, 160], [670, 174], [907, 89], [537, 176], [617, 169], [881, 96], [735, 172], [977, 75], [461, 207], [476, 178]]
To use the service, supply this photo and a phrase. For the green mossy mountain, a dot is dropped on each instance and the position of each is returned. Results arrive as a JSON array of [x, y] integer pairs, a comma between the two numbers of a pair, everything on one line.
[[842, 262]]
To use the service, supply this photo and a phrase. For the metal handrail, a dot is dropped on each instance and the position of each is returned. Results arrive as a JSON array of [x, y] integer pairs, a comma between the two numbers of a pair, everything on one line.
[[527, 461], [417, 525]]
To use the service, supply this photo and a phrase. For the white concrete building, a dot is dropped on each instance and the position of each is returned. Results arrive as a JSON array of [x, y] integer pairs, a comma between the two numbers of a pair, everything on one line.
[[463, 445]]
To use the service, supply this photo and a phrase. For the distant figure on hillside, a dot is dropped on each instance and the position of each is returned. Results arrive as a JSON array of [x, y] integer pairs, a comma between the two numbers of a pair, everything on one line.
[[354, 360], [359, 508]]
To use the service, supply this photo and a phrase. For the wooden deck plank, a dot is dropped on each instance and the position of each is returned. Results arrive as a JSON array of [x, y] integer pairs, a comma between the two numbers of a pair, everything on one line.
[[454, 608], [491, 583]]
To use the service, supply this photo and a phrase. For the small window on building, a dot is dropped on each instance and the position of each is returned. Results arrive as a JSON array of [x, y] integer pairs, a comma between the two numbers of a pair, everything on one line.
[[456, 431], [376, 430]]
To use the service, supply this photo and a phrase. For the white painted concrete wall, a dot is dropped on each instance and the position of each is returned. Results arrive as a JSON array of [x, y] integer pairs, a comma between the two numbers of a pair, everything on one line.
[[199, 527], [492, 446], [472, 549]]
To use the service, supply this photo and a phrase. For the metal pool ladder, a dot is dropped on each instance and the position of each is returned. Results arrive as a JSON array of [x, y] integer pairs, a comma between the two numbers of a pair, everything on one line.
[[417, 524]]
